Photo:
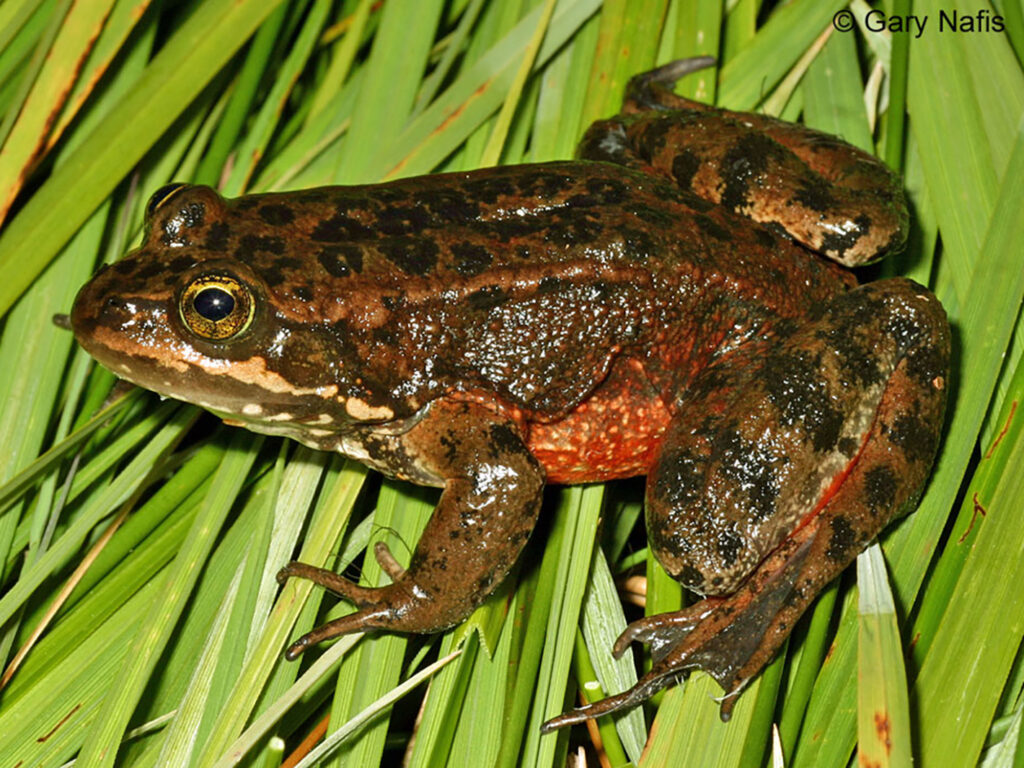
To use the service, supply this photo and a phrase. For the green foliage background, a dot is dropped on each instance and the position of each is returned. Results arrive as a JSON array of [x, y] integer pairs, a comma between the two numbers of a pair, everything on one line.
[[139, 547]]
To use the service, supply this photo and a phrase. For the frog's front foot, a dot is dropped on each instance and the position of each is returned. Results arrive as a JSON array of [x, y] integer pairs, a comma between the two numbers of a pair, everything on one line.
[[401, 606], [492, 493]]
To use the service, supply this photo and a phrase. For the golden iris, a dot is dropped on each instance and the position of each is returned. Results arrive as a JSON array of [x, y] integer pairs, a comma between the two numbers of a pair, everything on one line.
[[216, 307]]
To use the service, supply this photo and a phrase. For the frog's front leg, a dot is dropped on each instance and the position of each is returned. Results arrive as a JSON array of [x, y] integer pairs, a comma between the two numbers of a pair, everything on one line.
[[492, 494], [782, 463]]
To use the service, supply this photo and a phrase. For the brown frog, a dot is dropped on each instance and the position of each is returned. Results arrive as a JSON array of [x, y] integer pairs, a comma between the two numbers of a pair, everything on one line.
[[658, 307]]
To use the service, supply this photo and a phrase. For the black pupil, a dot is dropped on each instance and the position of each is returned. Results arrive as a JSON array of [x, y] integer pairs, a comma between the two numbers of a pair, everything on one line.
[[214, 303]]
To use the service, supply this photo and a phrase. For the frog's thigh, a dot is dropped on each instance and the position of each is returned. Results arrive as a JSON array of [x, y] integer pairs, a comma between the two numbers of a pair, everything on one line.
[[492, 493], [778, 441]]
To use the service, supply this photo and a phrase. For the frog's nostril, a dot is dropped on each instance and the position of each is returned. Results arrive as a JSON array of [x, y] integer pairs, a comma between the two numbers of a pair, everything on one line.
[[114, 309]]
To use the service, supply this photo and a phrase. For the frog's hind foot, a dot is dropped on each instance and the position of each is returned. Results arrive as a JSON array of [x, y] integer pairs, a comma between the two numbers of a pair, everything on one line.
[[653, 89], [730, 638]]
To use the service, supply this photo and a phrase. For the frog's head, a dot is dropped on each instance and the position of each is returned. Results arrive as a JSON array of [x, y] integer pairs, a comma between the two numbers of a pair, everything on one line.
[[202, 324]]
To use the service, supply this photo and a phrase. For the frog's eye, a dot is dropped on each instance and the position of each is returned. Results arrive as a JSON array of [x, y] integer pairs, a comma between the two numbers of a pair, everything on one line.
[[216, 307], [161, 196]]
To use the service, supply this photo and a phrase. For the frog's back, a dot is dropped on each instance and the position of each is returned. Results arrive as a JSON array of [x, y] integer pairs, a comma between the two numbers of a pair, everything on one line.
[[461, 225], [526, 279]]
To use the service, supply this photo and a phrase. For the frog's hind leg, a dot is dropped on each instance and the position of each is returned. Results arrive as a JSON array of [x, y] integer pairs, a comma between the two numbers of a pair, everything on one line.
[[776, 473], [834, 198], [492, 493]]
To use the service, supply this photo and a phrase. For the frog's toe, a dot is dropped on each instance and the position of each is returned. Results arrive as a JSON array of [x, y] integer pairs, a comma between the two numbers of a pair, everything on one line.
[[398, 607], [663, 631], [346, 625], [646, 687], [394, 608], [339, 585]]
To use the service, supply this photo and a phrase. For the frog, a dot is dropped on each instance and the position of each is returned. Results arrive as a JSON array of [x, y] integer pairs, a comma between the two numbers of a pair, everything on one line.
[[676, 302]]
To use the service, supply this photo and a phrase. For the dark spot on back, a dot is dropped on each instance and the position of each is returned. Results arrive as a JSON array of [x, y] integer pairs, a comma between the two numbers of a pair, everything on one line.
[[413, 255], [639, 244], [551, 284], [654, 137], [452, 205], [181, 263], [288, 262], [695, 202], [573, 226], [470, 258], [384, 336], [390, 194], [246, 203], [149, 271], [581, 201], [654, 216], [402, 220], [543, 184], [273, 276], [217, 235], [340, 228], [259, 243], [608, 191], [276, 214], [487, 189], [518, 226], [341, 260]]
